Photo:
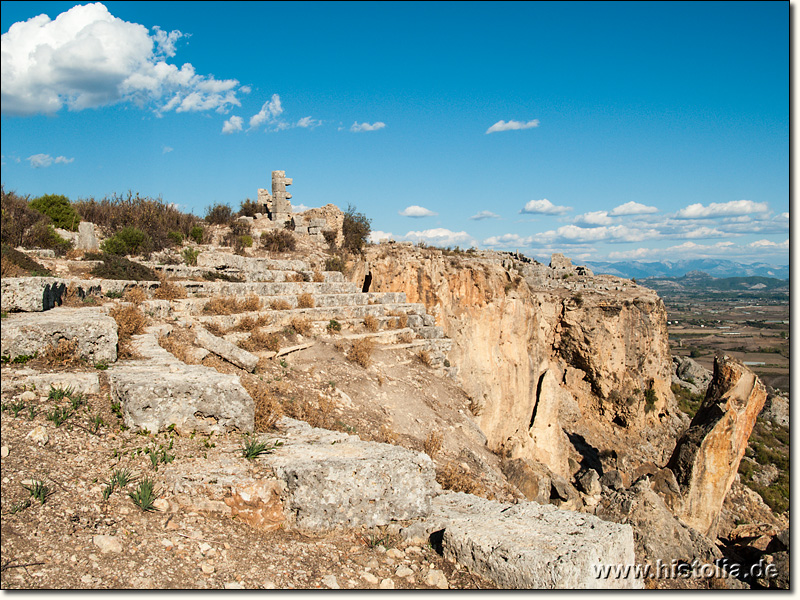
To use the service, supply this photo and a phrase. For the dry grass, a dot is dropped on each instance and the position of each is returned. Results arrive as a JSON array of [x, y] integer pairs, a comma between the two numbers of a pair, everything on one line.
[[305, 301], [433, 444], [279, 305], [318, 277], [135, 295], [371, 323], [167, 290], [63, 354], [475, 407], [295, 277], [177, 343], [407, 337], [228, 305], [267, 407], [401, 322], [424, 356], [455, 477], [361, 352], [319, 413], [301, 325], [130, 321], [262, 340], [214, 328], [385, 435], [246, 323]]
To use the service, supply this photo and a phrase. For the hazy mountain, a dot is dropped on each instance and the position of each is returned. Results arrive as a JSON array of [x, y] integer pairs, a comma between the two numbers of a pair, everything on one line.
[[679, 268]]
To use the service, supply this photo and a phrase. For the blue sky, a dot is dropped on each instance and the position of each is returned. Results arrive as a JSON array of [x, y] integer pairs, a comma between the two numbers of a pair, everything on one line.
[[605, 131]]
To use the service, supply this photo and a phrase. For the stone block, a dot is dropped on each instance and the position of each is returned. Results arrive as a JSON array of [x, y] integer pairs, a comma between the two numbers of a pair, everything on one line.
[[94, 330], [225, 349]]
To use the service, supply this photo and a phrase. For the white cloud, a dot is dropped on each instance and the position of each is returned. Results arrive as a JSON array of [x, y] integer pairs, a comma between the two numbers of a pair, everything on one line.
[[440, 236], [594, 219], [416, 212], [572, 234], [512, 125], [376, 236], [166, 149], [703, 233], [308, 122], [724, 209], [298, 208], [785, 216], [87, 58], [45, 160], [632, 208], [233, 125], [766, 244], [484, 214], [270, 111], [508, 240], [357, 127], [544, 207]]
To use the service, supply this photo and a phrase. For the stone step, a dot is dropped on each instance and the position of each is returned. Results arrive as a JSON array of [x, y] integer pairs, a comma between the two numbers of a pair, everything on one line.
[[276, 275], [281, 318], [267, 288], [223, 260], [195, 306]]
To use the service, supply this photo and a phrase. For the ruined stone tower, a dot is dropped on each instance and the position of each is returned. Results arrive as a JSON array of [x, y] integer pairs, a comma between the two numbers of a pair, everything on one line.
[[276, 205]]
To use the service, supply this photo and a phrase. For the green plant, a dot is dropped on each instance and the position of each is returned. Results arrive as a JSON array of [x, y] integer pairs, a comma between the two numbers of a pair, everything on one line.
[[650, 399], [101, 366], [20, 506], [118, 267], [219, 214], [21, 359], [176, 237], [246, 241], [59, 415], [116, 408], [16, 408], [59, 209], [253, 448], [77, 400], [190, 256], [32, 412], [279, 240], [145, 495], [38, 490], [355, 230], [129, 240], [330, 238], [122, 477], [159, 455], [96, 422], [333, 326], [335, 263], [197, 233], [249, 208]]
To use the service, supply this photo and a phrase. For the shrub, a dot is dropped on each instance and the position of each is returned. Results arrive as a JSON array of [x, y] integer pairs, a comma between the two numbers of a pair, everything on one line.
[[135, 295], [219, 214], [650, 399], [63, 354], [176, 237], [246, 241], [361, 352], [318, 277], [167, 290], [371, 323], [278, 240], [228, 305], [305, 301], [267, 408], [117, 267], [432, 444], [454, 477], [301, 325], [355, 230], [18, 217], [262, 340], [129, 240], [333, 326], [156, 218], [42, 235], [279, 305], [335, 263], [59, 209], [330, 238], [424, 356], [130, 321], [190, 256], [197, 233], [249, 208], [16, 263]]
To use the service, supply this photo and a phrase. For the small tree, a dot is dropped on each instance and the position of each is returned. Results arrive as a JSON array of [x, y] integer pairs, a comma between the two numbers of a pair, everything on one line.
[[59, 209], [355, 230], [219, 214]]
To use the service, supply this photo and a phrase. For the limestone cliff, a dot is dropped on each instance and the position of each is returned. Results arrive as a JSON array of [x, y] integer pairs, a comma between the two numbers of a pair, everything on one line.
[[563, 364]]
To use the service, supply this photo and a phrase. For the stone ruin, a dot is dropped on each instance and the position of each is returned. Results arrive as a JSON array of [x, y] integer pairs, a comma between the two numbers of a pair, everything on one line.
[[278, 213]]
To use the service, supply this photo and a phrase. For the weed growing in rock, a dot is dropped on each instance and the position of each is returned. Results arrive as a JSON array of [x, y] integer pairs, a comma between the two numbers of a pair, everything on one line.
[[371, 323], [16, 408], [145, 495], [318, 277], [424, 356], [279, 305], [334, 326], [130, 321], [279, 240], [167, 290], [305, 301], [433, 444], [65, 353], [301, 325], [253, 448], [59, 415], [38, 490], [335, 263], [454, 477]]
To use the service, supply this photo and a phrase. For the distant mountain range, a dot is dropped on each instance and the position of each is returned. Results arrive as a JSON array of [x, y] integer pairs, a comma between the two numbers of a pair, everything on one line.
[[679, 268]]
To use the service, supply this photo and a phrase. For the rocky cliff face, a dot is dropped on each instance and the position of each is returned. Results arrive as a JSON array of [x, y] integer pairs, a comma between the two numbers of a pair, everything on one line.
[[563, 364]]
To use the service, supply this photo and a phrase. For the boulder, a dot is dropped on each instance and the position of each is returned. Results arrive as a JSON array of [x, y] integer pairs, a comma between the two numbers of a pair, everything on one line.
[[706, 458], [335, 480], [529, 545], [690, 374], [589, 483], [159, 390], [531, 478], [776, 410], [87, 240], [29, 333]]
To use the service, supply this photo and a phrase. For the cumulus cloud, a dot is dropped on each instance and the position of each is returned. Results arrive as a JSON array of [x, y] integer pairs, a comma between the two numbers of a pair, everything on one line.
[[87, 58], [357, 127], [45, 160], [544, 207], [632, 208], [723, 209], [376, 236], [484, 214], [594, 219], [440, 236], [270, 111], [232, 125], [512, 125], [766, 244], [416, 212], [508, 240], [167, 149], [572, 234]]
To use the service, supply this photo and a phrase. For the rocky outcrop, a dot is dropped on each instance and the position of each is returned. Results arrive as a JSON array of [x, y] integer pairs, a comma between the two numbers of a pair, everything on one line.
[[707, 456], [691, 375], [158, 390], [30, 333], [545, 352], [528, 545]]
